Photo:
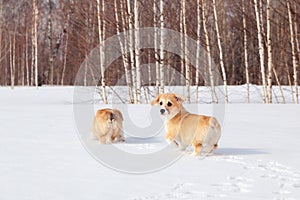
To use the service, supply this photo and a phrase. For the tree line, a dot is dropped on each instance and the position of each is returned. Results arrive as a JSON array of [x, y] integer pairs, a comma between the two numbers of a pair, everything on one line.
[[251, 42]]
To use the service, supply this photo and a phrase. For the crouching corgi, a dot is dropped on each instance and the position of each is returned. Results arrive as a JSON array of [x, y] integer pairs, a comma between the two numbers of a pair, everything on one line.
[[107, 126], [184, 128]]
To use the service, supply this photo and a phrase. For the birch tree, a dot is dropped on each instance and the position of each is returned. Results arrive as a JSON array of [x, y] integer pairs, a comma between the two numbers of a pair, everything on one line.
[[261, 51], [137, 51], [67, 24], [27, 56], [269, 48], [123, 46], [198, 49], [295, 70], [208, 52], [34, 63], [126, 57], [101, 57], [156, 57], [220, 51], [182, 48], [131, 51], [50, 38], [12, 58], [1, 29], [185, 51], [246, 51], [162, 44]]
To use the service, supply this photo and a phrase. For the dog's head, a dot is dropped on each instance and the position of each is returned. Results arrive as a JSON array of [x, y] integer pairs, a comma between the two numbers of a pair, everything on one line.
[[170, 104]]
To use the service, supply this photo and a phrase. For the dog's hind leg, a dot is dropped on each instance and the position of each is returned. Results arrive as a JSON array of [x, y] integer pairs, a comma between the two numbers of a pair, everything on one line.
[[214, 148], [197, 149]]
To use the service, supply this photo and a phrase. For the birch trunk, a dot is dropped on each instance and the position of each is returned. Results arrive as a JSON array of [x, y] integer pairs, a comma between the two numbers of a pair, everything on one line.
[[1, 5], [26, 57], [269, 47], [208, 52], [126, 58], [246, 51], [295, 70], [198, 50], [122, 46], [131, 51], [220, 51], [23, 56], [162, 44], [101, 57], [65, 51], [297, 41], [50, 37], [261, 51], [137, 51], [187, 67], [35, 43], [156, 57], [182, 61], [11, 61]]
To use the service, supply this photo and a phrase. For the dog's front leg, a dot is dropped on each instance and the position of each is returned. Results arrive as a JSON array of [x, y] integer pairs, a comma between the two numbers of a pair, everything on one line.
[[170, 137], [181, 145]]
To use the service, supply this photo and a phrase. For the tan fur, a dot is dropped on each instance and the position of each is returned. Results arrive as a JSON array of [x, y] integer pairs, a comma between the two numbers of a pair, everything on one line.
[[184, 128], [107, 126]]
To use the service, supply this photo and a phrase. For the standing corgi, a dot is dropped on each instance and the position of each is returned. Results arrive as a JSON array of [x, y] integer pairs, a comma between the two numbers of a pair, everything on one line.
[[184, 128]]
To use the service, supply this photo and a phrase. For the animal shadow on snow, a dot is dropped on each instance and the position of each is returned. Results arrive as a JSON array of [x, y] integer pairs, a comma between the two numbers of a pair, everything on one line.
[[239, 151]]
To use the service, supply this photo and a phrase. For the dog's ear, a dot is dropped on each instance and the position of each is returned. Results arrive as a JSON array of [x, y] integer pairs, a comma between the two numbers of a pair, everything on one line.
[[118, 113], [179, 98], [155, 100]]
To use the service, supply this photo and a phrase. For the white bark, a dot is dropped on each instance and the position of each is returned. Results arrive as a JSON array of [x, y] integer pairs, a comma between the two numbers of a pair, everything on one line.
[[296, 39], [208, 52], [220, 51], [34, 66], [137, 51], [126, 58], [26, 57], [162, 44], [131, 48], [50, 37], [261, 51], [295, 70], [187, 67], [198, 49], [23, 57], [11, 62], [101, 56], [246, 51], [1, 5], [65, 51], [269, 47], [182, 61], [156, 57]]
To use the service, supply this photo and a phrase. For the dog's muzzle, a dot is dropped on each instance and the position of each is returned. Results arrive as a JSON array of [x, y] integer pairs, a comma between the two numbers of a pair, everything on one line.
[[162, 111]]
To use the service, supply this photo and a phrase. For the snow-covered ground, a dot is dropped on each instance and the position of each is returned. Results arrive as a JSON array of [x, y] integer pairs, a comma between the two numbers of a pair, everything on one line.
[[42, 156]]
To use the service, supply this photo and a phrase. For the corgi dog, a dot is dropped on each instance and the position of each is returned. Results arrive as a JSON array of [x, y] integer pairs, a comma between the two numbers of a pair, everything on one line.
[[184, 129], [107, 126]]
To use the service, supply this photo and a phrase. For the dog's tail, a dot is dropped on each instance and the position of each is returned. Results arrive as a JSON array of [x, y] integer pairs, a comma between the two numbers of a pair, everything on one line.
[[112, 117]]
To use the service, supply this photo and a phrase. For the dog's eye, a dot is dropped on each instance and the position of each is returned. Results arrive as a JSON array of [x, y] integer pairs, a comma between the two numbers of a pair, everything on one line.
[[161, 103], [169, 104]]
